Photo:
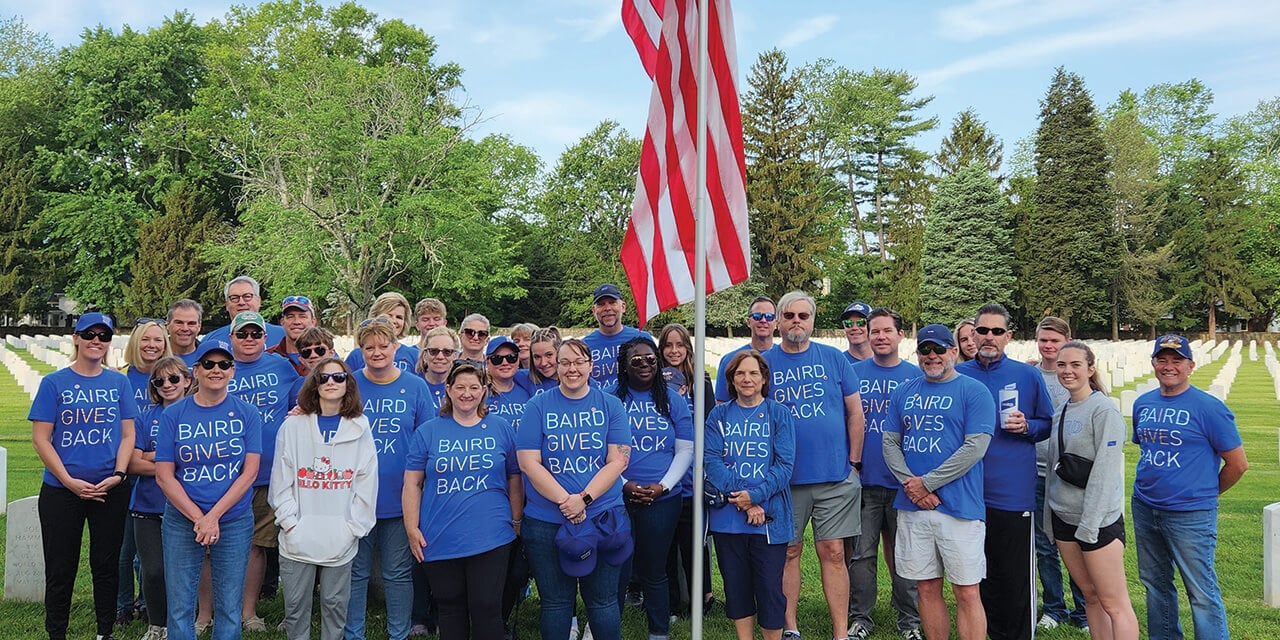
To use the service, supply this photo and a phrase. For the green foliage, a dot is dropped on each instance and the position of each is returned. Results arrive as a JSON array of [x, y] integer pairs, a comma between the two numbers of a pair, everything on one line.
[[96, 234], [1178, 119], [909, 196], [970, 141], [968, 257], [1255, 139], [168, 266]]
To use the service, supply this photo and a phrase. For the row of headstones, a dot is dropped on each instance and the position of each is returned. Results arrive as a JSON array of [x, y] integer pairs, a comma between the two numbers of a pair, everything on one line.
[[1221, 385], [1273, 365], [28, 378]]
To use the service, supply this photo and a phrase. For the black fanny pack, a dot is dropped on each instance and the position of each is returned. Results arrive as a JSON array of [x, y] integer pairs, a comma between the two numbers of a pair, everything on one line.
[[1073, 469]]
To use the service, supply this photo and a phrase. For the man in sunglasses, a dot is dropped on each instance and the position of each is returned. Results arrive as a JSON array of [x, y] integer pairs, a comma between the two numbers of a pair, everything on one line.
[[242, 294], [296, 315], [762, 319], [263, 380], [1023, 416], [854, 323], [607, 307], [819, 386], [934, 440]]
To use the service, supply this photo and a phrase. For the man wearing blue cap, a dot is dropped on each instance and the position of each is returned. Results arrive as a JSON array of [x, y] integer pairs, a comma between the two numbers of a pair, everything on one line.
[[854, 322], [607, 307], [934, 442], [1191, 453]]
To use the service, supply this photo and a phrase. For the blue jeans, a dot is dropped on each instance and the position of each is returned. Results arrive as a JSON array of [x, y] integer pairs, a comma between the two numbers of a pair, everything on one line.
[[397, 579], [1188, 540], [1049, 566], [652, 528], [557, 591], [183, 559]]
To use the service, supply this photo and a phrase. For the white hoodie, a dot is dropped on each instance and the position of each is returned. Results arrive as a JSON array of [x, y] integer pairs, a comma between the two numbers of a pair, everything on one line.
[[324, 493]]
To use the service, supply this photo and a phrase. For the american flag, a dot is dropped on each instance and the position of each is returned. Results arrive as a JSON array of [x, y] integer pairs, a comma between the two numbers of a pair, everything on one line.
[[658, 250]]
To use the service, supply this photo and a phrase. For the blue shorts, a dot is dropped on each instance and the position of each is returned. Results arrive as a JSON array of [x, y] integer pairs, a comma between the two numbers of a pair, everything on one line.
[[752, 573]]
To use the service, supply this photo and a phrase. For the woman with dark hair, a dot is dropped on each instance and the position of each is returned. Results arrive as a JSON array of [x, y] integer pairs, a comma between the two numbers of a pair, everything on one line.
[[463, 505], [506, 397], [749, 456], [82, 429], [661, 451], [170, 381]]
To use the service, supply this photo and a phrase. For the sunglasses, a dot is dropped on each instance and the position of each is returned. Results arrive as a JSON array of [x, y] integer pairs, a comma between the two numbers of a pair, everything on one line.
[[791, 315], [850, 323], [995, 331], [467, 362], [250, 334], [101, 335], [290, 300], [934, 349], [173, 378], [338, 377], [141, 321], [436, 353], [760, 315], [475, 333], [307, 352], [221, 364], [644, 361], [378, 320], [499, 358]]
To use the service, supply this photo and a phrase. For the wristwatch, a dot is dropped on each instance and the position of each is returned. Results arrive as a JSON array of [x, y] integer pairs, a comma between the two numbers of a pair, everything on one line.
[[857, 465], [122, 475], [586, 498]]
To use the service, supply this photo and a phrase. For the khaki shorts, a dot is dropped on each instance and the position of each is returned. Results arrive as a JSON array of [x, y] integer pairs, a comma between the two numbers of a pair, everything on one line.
[[835, 507], [265, 531], [930, 542]]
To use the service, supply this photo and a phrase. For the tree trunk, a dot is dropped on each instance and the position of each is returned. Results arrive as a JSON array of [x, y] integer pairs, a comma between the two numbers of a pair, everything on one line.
[[1213, 322], [853, 204], [1115, 315], [884, 257]]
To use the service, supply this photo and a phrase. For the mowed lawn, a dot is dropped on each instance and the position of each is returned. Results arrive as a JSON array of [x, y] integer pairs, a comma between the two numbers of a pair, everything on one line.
[[1239, 550]]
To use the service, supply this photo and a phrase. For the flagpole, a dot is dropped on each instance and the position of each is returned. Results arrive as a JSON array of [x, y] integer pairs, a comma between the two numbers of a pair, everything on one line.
[[699, 326]]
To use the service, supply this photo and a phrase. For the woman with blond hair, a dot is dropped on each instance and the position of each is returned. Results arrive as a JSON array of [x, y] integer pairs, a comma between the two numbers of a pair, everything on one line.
[[395, 308]]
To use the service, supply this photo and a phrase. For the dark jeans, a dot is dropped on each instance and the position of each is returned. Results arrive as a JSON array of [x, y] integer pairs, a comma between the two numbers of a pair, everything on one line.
[[1006, 593], [424, 607], [62, 519], [147, 533], [518, 576], [128, 567], [469, 593], [1049, 567], [557, 590], [680, 557], [652, 528]]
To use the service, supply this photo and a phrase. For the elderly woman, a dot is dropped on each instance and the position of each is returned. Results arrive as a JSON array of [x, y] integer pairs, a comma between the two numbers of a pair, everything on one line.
[[749, 456], [475, 336]]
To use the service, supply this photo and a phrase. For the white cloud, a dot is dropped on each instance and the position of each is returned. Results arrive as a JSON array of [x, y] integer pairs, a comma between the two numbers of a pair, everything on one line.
[[807, 30], [986, 18], [594, 27], [550, 121]]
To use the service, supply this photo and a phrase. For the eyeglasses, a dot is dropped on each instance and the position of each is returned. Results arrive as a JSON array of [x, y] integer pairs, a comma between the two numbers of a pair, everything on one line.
[[141, 321], [995, 331], [467, 362], [101, 335], [250, 334], [436, 353], [173, 378], [221, 364], [931, 348], [644, 361], [573, 364], [850, 323], [242, 297], [791, 315], [318, 352], [338, 377], [378, 320], [499, 358], [292, 300], [759, 315], [475, 334]]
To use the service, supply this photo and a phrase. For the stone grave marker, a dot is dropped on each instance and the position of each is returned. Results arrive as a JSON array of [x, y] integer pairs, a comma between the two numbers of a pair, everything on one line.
[[23, 553]]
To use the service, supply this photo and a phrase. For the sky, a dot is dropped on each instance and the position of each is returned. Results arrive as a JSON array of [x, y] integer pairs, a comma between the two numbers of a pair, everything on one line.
[[546, 72]]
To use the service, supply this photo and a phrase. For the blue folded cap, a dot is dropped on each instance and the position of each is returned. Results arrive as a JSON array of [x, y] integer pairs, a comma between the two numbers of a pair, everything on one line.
[[577, 546], [616, 543]]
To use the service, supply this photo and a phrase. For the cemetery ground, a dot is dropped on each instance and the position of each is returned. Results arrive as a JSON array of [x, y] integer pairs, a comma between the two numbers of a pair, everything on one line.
[[1239, 558]]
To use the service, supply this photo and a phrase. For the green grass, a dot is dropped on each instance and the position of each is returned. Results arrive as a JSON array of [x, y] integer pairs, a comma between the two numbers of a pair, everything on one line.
[[1239, 545]]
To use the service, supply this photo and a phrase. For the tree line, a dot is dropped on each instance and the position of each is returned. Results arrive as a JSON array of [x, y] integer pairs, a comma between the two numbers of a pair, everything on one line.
[[329, 153]]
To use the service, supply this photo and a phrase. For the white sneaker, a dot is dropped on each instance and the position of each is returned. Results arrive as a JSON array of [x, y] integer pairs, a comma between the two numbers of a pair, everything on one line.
[[573, 629], [586, 633], [1047, 622]]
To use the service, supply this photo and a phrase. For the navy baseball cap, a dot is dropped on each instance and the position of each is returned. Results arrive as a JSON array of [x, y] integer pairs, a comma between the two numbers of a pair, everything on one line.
[[673, 376], [1175, 343], [861, 308], [616, 543], [577, 547], [90, 319], [606, 290], [498, 342], [937, 334], [208, 346]]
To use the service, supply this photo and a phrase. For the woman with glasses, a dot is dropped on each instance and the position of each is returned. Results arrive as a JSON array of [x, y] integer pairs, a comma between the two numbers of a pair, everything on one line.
[[82, 428], [169, 382], [475, 335], [463, 504], [966, 341], [506, 398], [662, 450], [323, 487], [148, 343], [543, 346], [749, 456], [573, 445], [207, 454], [440, 347], [395, 308]]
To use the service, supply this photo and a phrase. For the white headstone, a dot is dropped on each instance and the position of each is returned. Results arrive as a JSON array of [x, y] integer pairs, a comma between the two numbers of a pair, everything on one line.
[[23, 552], [1127, 398], [1271, 554], [4, 480]]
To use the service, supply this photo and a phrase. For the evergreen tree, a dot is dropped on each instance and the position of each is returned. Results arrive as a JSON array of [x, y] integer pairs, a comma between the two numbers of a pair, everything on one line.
[[970, 141], [168, 266], [910, 193], [1072, 254], [968, 257]]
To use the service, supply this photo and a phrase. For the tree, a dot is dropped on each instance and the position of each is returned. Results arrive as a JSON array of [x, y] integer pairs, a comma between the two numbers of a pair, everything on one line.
[[1177, 118], [1071, 248], [1254, 138], [166, 241], [789, 231], [909, 196], [967, 258], [970, 141]]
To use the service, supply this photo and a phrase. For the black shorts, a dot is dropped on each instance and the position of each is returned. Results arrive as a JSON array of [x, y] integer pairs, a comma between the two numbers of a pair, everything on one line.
[[1067, 533]]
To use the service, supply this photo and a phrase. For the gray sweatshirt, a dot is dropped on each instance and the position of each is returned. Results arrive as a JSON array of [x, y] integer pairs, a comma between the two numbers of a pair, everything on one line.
[[1093, 429]]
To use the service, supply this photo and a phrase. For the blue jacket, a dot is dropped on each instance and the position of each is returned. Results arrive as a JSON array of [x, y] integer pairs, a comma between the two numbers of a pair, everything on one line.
[[1009, 468], [774, 492]]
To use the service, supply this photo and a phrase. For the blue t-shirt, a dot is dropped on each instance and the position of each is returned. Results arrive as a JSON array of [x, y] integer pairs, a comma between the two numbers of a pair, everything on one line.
[[395, 410], [207, 446], [877, 385], [189, 358], [1181, 439], [722, 381], [437, 397], [87, 413], [851, 358], [509, 404], [933, 420], [604, 352], [147, 496], [653, 435], [265, 383], [328, 426], [813, 385], [753, 449], [141, 383], [275, 333], [406, 358], [466, 509], [573, 437]]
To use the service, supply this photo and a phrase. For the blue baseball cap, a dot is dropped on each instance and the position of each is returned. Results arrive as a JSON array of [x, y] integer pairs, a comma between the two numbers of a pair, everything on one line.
[[498, 342], [616, 543], [577, 547], [606, 290], [90, 319], [861, 308], [673, 377], [937, 334], [208, 346], [1175, 343]]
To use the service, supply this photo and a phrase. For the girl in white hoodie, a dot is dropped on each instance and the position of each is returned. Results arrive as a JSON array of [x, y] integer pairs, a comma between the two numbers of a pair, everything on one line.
[[323, 488]]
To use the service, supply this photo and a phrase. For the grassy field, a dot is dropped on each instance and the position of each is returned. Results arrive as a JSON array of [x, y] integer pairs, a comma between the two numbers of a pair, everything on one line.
[[1239, 546]]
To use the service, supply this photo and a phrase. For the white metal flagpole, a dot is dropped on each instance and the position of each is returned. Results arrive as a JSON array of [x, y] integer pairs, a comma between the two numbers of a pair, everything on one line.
[[699, 325]]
